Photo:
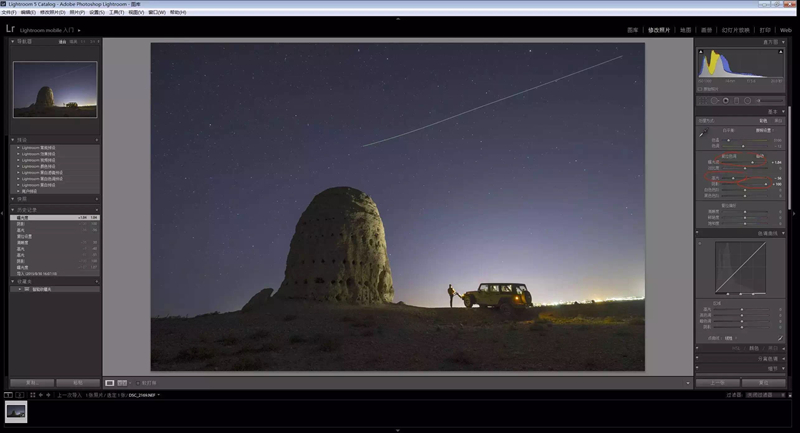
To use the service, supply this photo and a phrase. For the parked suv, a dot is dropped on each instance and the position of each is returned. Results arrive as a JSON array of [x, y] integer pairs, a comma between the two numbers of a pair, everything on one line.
[[505, 296]]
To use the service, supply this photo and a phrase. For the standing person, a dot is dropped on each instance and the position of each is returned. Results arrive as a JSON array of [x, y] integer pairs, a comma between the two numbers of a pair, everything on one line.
[[451, 292]]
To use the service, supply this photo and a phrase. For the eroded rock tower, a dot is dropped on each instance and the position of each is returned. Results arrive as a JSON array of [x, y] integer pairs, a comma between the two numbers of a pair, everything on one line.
[[45, 97], [338, 251]]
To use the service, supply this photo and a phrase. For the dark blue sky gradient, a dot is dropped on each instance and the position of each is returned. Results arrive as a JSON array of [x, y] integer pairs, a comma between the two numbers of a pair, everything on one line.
[[546, 188], [70, 81]]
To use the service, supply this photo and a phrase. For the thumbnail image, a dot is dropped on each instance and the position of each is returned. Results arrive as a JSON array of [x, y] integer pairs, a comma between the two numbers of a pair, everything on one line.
[[55, 89], [16, 412], [397, 207]]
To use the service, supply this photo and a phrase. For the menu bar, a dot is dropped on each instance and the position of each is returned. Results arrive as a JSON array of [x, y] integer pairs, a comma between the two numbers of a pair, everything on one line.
[[399, 8]]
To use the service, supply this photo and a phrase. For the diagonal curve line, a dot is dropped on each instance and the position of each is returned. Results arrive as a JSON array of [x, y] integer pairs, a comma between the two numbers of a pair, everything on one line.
[[740, 267], [491, 103]]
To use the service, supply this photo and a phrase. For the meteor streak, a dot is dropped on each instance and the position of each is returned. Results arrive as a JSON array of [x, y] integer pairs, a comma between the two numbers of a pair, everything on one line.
[[72, 71], [491, 103]]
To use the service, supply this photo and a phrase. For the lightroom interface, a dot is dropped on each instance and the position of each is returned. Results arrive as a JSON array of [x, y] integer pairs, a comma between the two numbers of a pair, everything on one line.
[[215, 209]]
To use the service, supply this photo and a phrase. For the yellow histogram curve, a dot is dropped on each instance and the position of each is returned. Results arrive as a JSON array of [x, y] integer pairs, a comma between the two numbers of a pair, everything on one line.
[[711, 65]]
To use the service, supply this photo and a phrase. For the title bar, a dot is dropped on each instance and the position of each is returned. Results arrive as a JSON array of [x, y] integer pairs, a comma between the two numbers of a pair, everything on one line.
[[399, 8]]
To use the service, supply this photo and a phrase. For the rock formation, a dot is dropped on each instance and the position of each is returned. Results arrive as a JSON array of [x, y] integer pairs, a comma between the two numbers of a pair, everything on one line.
[[45, 97], [338, 252], [260, 300]]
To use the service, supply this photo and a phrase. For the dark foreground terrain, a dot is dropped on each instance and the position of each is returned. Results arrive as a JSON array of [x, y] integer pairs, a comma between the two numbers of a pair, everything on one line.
[[86, 111], [307, 336]]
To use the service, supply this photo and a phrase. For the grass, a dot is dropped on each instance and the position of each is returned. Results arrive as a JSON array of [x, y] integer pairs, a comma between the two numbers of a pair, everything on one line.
[[169, 317], [367, 322], [296, 339], [461, 358], [352, 337], [536, 326], [582, 316], [259, 334], [596, 310], [270, 347], [248, 364], [194, 353], [156, 355], [228, 340], [266, 347], [215, 313], [636, 321], [546, 317], [330, 344], [591, 365]]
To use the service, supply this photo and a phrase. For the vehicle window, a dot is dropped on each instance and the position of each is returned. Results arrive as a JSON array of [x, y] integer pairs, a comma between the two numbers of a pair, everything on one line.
[[482, 288], [517, 290], [493, 288], [505, 288]]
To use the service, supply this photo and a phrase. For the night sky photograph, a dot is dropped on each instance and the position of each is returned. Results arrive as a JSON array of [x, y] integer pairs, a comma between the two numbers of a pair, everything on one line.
[[15, 411], [70, 82], [488, 162]]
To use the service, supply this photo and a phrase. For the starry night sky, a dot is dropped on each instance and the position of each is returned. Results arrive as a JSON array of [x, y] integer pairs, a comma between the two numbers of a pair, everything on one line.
[[546, 188], [70, 81]]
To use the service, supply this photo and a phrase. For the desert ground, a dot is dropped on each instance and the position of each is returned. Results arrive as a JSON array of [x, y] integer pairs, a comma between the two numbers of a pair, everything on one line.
[[85, 111], [293, 335]]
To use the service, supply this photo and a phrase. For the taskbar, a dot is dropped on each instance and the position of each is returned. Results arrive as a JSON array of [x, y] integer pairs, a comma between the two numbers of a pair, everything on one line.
[[407, 409]]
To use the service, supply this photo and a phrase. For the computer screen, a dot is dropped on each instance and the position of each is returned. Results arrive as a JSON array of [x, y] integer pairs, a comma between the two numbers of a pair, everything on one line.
[[398, 215]]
